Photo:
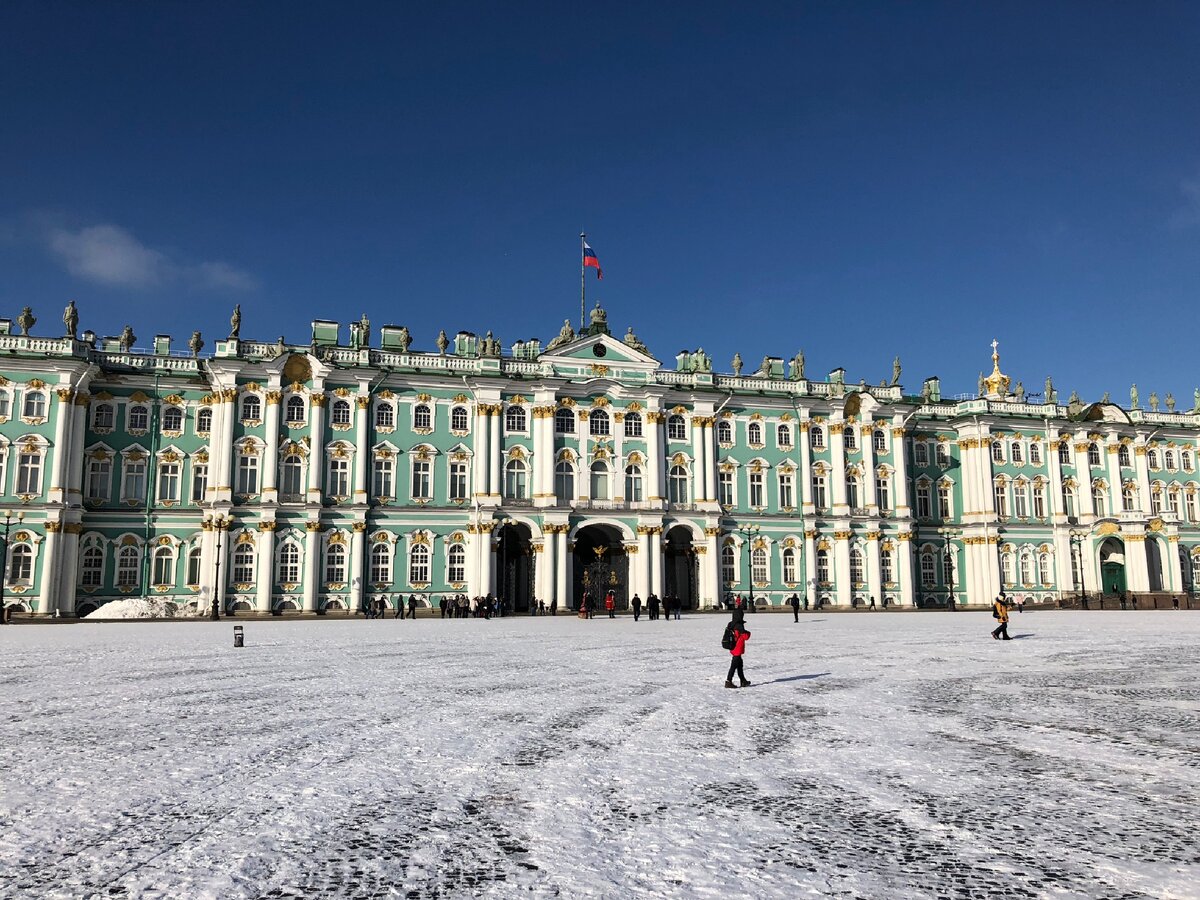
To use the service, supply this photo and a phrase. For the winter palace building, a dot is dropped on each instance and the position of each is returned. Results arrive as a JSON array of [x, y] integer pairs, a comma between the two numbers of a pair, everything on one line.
[[274, 477]]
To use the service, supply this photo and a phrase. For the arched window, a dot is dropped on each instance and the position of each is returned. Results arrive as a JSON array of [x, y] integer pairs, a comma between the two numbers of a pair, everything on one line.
[[35, 405], [1100, 498], [514, 419], [1129, 499], [789, 566], [418, 564], [564, 421], [294, 410], [1156, 499], [564, 482], [172, 419], [204, 421], [20, 564], [289, 563], [677, 485], [599, 484], [243, 563], [1044, 568], [724, 432], [291, 479], [1007, 574], [1064, 453], [335, 564], [856, 566], [381, 563], [1173, 499], [676, 428], [1123, 456], [385, 415], [754, 433], [193, 566], [1185, 460], [728, 565], [599, 422], [514, 479], [1016, 452], [920, 453], [422, 416], [128, 566], [252, 407], [943, 453], [458, 418], [633, 484], [879, 440], [783, 435], [1152, 458], [1035, 453], [928, 569], [1027, 568], [850, 438], [633, 424], [1068, 498], [102, 417], [997, 452], [816, 437], [340, 414], [139, 418], [758, 565], [887, 572], [91, 567], [1093, 455], [456, 564], [823, 566], [1169, 457]]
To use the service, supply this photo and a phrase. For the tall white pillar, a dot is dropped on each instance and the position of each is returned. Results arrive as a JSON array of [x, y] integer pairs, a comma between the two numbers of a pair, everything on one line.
[[866, 441], [837, 452], [656, 460], [362, 457], [49, 564], [223, 552], [841, 562], [904, 552], [270, 483], [656, 561], [316, 456], [710, 565], [700, 452], [62, 450], [564, 573], [810, 565], [266, 566], [482, 453], [806, 494], [900, 482], [642, 581], [495, 485], [874, 584], [358, 576], [312, 564], [487, 561], [546, 566], [64, 599]]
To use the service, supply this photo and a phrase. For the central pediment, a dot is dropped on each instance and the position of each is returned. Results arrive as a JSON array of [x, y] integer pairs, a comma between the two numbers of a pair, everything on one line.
[[601, 349]]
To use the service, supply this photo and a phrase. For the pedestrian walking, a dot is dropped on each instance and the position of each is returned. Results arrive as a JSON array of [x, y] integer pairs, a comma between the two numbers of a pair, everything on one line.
[[806, 602], [736, 637], [1000, 611], [676, 606], [554, 607], [872, 606], [652, 607], [412, 606], [794, 603], [636, 603]]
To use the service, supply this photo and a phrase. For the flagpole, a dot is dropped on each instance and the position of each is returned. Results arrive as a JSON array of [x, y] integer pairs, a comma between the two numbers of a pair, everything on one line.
[[582, 281]]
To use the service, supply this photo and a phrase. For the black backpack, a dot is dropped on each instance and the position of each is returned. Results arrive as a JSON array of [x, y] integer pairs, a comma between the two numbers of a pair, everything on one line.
[[729, 638]]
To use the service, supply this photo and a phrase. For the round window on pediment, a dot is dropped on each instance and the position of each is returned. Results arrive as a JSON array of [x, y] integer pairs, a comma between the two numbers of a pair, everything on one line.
[[599, 350]]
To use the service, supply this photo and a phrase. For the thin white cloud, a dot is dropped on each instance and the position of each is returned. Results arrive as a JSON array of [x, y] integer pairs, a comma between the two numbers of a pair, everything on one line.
[[111, 256], [1189, 213]]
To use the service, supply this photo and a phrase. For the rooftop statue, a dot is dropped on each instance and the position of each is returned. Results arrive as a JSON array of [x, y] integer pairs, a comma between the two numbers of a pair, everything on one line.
[[598, 316], [442, 342], [737, 364], [196, 344], [26, 320], [235, 323], [128, 338], [71, 319], [1154, 401], [565, 336], [896, 371], [1170, 402], [631, 340], [1019, 393], [1133, 397]]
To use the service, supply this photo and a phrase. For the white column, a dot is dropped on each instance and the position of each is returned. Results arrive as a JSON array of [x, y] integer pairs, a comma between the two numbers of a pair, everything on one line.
[[482, 453], [75, 468], [654, 454], [226, 557], [1173, 574], [710, 567], [357, 575], [62, 450], [874, 584], [1114, 479], [904, 552], [1083, 475], [539, 474], [497, 451], [810, 565], [563, 574], [900, 481], [656, 561], [205, 595], [64, 598], [362, 461], [867, 443], [1136, 570], [805, 448], [546, 566], [271, 457], [1143, 480], [220, 451], [487, 562], [701, 459], [48, 562], [837, 451], [266, 566], [312, 564], [643, 562], [841, 562], [316, 456], [1054, 499]]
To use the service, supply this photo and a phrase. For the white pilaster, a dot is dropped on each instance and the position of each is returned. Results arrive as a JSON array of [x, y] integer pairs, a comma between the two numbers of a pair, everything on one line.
[[270, 492], [357, 575], [362, 460], [266, 566], [312, 564]]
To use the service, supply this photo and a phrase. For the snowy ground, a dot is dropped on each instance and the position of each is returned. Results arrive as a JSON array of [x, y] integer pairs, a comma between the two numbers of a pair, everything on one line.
[[877, 755]]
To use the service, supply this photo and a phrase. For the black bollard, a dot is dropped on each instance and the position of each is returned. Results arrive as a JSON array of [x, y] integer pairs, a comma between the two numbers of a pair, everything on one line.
[[239, 639]]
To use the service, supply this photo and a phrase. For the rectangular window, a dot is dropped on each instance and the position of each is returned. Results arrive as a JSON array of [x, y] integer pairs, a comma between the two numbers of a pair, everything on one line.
[[786, 498], [135, 480], [339, 478], [789, 566], [99, 479], [1064, 453], [883, 495], [885, 567], [421, 487], [1039, 501], [1020, 502], [458, 482], [928, 576], [818, 489], [168, 482], [29, 473], [199, 482], [944, 511], [923, 502], [725, 488], [756, 489], [1001, 501], [247, 482], [383, 479], [1189, 503]]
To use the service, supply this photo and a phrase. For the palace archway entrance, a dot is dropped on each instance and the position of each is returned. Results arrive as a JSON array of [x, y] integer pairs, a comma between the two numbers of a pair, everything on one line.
[[1154, 564], [1112, 566], [514, 559], [681, 567], [600, 565]]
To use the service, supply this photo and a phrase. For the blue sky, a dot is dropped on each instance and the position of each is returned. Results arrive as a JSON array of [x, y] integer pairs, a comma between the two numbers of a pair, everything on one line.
[[856, 180]]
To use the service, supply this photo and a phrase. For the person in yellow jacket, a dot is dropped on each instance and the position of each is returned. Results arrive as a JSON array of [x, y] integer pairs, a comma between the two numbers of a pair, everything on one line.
[[1000, 611]]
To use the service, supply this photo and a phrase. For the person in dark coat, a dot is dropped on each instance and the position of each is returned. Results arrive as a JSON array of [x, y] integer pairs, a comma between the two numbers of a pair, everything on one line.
[[636, 603], [554, 607], [1000, 611], [412, 606], [740, 637], [794, 602], [652, 607]]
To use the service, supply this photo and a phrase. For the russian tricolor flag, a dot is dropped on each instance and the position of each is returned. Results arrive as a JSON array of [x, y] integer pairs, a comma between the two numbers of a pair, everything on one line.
[[589, 259]]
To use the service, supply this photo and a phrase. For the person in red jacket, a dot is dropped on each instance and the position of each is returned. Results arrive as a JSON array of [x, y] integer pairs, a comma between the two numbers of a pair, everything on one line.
[[610, 603], [740, 636]]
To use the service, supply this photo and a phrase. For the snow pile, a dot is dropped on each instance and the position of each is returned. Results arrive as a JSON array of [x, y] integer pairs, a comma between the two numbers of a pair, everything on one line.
[[144, 608]]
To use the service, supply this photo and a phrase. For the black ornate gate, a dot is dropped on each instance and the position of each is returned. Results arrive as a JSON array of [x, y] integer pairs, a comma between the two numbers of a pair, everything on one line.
[[681, 568], [600, 565]]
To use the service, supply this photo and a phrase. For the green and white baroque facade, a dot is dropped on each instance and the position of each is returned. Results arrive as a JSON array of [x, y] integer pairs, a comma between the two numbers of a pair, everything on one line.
[[311, 477]]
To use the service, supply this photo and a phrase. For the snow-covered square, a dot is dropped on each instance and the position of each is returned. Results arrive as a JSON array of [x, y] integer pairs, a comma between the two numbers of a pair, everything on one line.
[[876, 755]]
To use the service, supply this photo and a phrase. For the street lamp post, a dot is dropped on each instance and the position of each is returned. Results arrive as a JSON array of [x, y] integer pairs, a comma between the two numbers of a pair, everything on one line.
[[749, 532], [948, 534], [220, 523], [1077, 536], [8, 520]]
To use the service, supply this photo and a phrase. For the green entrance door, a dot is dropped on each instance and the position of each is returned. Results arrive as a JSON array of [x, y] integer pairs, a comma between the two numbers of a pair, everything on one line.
[[1112, 576]]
